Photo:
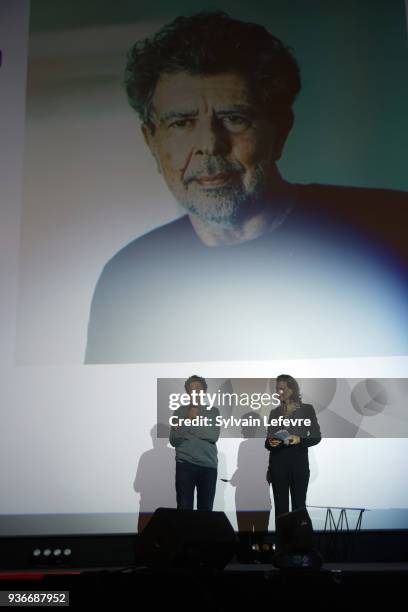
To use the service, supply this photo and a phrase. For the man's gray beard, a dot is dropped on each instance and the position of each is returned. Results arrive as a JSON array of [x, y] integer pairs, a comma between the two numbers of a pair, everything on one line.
[[227, 206]]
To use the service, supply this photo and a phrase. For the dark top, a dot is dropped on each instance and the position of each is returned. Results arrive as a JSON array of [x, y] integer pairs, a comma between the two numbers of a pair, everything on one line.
[[313, 287], [309, 435]]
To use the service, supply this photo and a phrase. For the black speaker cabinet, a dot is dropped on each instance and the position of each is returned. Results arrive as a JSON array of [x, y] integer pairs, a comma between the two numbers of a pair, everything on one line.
[[186, 539], [294, 532], [295, 541]]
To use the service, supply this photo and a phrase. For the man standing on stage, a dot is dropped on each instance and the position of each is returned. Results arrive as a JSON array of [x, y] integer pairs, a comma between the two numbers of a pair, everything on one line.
[[196, 450]]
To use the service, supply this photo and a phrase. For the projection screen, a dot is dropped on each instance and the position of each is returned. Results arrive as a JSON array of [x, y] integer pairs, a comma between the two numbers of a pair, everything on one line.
[[97, 308]]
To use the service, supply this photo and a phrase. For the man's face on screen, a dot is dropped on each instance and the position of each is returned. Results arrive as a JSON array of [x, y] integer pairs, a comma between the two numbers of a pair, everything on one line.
[[212, 144]]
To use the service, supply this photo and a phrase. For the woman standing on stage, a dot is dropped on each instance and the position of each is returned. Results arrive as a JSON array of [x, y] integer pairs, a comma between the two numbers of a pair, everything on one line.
[[288, 454]]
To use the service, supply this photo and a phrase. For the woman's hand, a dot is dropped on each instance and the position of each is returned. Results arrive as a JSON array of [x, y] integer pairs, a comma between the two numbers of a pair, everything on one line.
[[294, 440]]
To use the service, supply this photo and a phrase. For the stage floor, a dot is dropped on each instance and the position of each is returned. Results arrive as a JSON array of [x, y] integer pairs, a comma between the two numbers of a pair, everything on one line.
[[230, 567], [246, 586]]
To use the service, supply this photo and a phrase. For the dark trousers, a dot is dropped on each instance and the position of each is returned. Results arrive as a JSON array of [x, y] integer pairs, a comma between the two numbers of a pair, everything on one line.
[[190, 476], [289, 473]]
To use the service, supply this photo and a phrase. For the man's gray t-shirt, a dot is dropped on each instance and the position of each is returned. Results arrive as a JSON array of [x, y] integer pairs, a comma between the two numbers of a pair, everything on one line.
[[196, 444], [313, 288]]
